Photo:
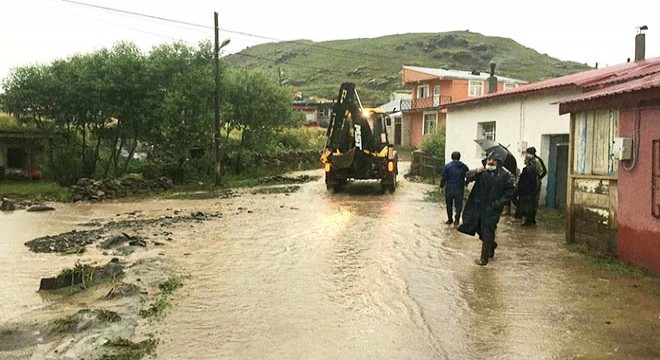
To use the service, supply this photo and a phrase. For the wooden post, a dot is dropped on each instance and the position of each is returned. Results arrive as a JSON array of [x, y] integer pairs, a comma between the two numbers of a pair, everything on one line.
[[569, 186], [216, 128]]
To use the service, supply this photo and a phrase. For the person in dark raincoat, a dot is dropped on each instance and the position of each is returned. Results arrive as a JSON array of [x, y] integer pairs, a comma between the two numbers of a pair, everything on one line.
[[527, 191], [453, 181], [493, 187]]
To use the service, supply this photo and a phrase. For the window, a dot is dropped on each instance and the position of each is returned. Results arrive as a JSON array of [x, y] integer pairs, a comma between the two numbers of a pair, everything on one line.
[[436, 95], [509, 86], [475, 88], [486, 130], [422, 91], [430, 122], [321, 112]]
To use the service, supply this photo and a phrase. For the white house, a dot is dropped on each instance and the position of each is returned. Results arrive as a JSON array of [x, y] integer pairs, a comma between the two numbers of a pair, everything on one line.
[[517, 122], [529, 116]]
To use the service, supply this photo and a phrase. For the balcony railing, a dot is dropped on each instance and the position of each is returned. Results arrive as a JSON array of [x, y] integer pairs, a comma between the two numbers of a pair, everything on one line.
[[425, 103]]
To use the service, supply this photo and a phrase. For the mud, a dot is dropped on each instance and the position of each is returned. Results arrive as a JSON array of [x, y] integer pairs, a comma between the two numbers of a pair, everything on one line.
[[75, 240], [314, 275]]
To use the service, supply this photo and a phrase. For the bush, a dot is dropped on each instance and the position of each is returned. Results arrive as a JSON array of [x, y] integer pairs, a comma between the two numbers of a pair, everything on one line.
[[434, 143], [62, 167]]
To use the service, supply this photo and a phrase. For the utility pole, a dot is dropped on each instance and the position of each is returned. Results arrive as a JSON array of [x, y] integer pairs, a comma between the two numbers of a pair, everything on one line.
[[216, 128]]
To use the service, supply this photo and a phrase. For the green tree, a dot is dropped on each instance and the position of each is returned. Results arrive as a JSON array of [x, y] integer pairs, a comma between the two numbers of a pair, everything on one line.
[[257, 107]]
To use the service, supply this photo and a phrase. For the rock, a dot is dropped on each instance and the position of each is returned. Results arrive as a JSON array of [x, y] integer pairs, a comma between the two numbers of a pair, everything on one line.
[[113, 241], [138, 242], [40, 208], [82, 274], [8, 205]]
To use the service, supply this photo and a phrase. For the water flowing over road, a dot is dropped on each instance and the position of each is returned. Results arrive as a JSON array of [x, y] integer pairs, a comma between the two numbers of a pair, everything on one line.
[[361, 275]]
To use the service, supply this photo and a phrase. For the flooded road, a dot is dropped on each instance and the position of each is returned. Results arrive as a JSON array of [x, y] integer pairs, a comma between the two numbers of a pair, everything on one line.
[[359, 275]]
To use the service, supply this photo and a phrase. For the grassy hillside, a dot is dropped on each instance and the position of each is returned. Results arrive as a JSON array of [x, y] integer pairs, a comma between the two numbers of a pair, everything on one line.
[[375, 64]]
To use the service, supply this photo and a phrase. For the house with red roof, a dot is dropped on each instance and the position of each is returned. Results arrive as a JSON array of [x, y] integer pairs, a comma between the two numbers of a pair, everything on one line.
[[614, 188], [528, 116], [610, 119]]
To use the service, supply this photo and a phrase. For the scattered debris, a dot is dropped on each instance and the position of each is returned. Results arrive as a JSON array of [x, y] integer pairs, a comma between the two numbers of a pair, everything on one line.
[[40, 208], [99, 190], [83, 275], [8, 205]]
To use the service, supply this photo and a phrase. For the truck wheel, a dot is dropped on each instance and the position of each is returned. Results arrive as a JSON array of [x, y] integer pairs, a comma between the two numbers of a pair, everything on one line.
[[391, 187]]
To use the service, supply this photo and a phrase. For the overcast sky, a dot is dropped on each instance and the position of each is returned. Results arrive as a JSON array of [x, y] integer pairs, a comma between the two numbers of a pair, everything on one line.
[[39, 31]]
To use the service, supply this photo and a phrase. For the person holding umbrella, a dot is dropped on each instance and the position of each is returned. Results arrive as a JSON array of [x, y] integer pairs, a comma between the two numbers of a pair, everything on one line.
[[493, 187]]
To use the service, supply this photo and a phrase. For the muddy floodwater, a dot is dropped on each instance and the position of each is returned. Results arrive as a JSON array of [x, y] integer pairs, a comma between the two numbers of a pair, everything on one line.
[[352, 275]]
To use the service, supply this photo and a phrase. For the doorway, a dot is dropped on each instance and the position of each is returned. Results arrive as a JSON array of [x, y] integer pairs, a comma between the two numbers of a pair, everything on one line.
[[557, 172]]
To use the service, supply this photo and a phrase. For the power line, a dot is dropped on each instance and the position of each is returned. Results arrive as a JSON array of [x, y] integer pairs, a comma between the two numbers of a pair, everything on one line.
[[136, 14], [353, 53]]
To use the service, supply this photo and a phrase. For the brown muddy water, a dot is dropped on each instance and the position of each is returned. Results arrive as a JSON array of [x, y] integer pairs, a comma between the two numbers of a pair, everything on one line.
[[355, 275]]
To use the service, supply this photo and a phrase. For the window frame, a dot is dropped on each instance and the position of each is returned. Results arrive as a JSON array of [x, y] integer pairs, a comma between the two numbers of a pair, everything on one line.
[[426, 131], [473, 85], [509, 86], [424, 87]]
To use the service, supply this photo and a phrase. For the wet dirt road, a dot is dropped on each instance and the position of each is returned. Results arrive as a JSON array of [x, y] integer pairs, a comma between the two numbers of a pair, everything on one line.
[[359, 275]]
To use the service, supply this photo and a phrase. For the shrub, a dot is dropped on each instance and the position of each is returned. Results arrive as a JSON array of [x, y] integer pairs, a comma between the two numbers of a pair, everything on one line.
[[434, 143]]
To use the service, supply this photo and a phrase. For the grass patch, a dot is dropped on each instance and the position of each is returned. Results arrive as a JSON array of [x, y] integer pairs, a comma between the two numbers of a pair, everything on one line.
[[435, 196], [156, 309], [124, 349], [605, 261], [167, 288], [35, 191], [70, 323]]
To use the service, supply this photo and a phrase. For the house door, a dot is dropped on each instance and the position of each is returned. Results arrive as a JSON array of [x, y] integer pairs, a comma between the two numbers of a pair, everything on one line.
[[436, 95], [397, 131], [557, 172], [561, 175]]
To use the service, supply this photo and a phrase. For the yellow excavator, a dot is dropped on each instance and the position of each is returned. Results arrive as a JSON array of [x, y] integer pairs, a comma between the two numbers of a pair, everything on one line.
[[357, 145]]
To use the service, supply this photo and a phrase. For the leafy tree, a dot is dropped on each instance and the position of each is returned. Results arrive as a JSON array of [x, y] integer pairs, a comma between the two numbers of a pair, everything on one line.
[[259, 108], [185, 91]]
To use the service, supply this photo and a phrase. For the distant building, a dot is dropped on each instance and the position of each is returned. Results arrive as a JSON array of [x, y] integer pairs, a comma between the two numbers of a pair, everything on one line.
[[19, 154], [434, 88]]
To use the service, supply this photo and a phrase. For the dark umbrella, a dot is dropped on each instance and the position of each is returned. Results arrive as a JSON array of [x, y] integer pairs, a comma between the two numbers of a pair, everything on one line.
[[493, 146]]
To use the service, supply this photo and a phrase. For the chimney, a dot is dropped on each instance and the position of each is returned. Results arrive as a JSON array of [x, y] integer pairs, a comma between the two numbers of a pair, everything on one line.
[[640, 43], [492, 79]]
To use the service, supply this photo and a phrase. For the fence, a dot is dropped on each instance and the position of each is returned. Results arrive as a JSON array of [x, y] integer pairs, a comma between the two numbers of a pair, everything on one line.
[[426, 166]]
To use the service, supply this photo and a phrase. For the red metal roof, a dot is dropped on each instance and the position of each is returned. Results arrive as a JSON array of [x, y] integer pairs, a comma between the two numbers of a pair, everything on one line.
[[585, 80], [647, 82]]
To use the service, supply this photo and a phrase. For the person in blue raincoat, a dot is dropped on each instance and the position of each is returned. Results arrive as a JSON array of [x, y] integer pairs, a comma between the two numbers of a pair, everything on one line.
[[453, 181], [493, 187]]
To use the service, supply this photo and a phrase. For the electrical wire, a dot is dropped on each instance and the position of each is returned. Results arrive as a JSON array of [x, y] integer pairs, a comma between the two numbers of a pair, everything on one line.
[[352, 53]]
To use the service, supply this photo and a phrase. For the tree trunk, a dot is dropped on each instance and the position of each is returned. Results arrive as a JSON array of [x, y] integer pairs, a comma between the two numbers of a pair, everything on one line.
[[112, 155]]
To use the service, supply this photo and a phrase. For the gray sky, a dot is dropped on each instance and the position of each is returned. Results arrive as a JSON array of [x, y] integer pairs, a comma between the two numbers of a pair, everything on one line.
[[39, 31]]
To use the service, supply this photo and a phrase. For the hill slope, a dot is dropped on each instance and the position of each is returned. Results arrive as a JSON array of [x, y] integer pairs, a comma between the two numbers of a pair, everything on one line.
[[375, 64]]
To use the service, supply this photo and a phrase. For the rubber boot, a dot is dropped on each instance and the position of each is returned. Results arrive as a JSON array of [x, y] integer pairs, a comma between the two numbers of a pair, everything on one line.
[[457, 220], [485, 251], [448, 222], [492, 249]]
